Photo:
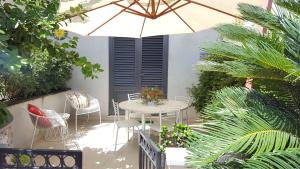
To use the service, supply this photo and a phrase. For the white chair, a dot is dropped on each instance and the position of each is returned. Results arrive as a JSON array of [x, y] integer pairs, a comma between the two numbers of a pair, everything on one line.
[[185, 111], [167, 119], [93, 107], [134, 96], [122, 123], [54, 123]]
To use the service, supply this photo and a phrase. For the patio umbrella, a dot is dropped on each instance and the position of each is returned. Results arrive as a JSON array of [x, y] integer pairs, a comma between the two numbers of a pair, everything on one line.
[[140, 18]]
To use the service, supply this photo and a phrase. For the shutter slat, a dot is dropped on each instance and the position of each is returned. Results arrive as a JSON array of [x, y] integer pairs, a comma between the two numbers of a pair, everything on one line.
[[152, 61], [124, 62]]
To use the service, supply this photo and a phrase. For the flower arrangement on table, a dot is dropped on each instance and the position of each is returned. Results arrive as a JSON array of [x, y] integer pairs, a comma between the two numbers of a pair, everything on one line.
[[152, 95]]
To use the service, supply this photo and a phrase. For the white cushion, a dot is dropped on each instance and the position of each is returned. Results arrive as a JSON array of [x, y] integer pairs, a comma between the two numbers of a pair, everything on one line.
[[55, 118]]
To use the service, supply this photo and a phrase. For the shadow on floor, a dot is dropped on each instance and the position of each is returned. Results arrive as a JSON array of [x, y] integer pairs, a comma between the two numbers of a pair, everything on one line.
[[97, 144]]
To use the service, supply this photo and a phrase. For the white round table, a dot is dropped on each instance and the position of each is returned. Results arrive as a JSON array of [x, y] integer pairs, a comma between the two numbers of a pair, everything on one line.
[[138, 107]]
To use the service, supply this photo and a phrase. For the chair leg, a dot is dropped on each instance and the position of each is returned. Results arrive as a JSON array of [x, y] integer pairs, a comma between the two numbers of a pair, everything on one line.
[[127, 133], [138, 129], [116, 142], [88, 117], [132, 133], [182, 116], [33, 134], [100, 116], [67, 129], [114, 129], [76, 122], [159, 139], [187, 118], [61, 135]]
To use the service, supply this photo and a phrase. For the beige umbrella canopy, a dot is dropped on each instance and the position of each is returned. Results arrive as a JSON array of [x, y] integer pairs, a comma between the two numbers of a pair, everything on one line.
[[140, 18]]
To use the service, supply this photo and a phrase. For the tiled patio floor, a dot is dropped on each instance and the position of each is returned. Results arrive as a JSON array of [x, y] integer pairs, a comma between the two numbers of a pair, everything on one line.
[[96, 141], [97, 144]]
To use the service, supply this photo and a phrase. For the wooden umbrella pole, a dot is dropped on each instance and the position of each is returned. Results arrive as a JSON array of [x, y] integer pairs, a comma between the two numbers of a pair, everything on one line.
[[153, 13]]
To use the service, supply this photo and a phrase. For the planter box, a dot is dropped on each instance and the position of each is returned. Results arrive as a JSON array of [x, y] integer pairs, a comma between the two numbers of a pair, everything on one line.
[[175, 158]]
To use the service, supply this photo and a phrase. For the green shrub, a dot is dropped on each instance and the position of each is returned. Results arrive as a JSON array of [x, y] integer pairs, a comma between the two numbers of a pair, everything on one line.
[[5, 115], [32, 61], [178, 137], [209, 82], [42, 74]]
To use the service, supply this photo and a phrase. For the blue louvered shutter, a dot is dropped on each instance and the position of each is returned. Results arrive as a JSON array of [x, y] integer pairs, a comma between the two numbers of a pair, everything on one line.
[[135, 63], [124, 71], [154, 62]]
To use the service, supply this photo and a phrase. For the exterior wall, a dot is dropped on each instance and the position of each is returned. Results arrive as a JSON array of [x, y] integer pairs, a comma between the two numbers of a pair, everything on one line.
[[183, 54], [22, 125], [97, 51]]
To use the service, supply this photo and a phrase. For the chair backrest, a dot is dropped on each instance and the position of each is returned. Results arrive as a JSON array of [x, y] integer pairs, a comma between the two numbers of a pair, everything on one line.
[[134, 96], [173, 115], [78, 100], [38, 121], [116, 109], [184, 99]]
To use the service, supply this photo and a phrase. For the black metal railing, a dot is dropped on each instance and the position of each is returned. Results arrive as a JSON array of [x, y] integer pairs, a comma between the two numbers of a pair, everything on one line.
[[40, 159], [150, 156]]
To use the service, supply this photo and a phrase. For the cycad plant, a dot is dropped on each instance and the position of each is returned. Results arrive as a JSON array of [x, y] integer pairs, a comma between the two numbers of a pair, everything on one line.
[[260, 127]]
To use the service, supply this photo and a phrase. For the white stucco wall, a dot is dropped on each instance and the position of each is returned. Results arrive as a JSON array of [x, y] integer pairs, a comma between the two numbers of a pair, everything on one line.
[[184, 52], [96, 49], [183, 55]]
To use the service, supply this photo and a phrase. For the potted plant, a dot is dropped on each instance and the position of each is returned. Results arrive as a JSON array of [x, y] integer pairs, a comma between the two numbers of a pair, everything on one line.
[[174, 144], [5, 120], [152, 95]]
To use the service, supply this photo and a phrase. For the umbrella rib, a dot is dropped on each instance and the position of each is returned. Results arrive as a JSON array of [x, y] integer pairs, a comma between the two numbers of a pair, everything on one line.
[[179, 16], [90, 10], [146, 10], [144, 20], [215, 9], [131, 10], [168, 10], [110, 19], [168, 7], [157, 6]]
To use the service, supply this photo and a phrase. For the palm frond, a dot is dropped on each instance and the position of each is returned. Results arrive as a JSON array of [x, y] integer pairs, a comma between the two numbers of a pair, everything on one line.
[[223, 49], [287, 159], [259, 16], [245, 69], [290, 5], [256, 53], [241, 34], [251, 126]]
